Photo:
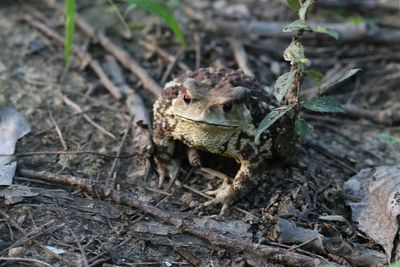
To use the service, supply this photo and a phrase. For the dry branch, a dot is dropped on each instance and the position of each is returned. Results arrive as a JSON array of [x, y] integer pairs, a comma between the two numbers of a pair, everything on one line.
[[141, 124], [386, 117], [32, 236], [163, 54], [371, 5], [120, 54], [240, 56], [112, 89], [77, 108], [347, 32], [134, 101], [182, 221]]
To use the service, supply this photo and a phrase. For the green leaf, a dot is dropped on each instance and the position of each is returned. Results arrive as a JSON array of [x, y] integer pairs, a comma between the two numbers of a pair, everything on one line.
[[297, 25], [328, 31], [347, 75], [304, 8], [283, 84], [295, 53], [315, 75], [302, 128], [294, 5], [387, 137], [69, 28], [304, 61], [355, 20], [163, 11], [323, 104], [269, 119]]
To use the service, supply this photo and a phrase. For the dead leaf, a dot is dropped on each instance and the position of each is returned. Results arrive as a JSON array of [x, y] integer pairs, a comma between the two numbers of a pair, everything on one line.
[[378, 193], [13, 125]]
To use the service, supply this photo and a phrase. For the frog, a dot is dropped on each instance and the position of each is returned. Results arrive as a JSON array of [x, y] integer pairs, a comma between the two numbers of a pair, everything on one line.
[[218, 110]]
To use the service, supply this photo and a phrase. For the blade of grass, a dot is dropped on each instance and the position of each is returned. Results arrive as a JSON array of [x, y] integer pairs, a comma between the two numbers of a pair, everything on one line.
[[69, 28]]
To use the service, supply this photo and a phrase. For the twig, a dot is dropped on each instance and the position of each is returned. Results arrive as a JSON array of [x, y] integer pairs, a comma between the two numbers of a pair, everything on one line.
[[158, 191], [189, 257], [163, 54], [320, 148], [171, 65], [134, 102], [120, 54], [197, 38], [141, 124], [27, 260], [81, 249], [240, 56], [386, 117], [121, 18], [371, 5], [17, 226], [157, 204], [59, 133], [182, 221], [347, 32], [47, 227], [83, 56], [77, 108], [302, 244], [63, 120], [77, 152], [281, 245], [92, 260], [110, 179]]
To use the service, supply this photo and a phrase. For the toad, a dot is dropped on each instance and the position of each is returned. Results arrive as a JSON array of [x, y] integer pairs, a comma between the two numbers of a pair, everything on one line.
[[218, 110]]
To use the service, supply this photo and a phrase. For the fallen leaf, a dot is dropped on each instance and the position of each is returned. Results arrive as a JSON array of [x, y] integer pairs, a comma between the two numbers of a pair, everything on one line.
[[378, 205], [13, 125], [54, 250]]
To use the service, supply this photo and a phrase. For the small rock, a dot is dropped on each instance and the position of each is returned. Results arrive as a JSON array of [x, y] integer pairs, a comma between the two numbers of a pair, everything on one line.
[[16, 252], [186, 198], [55, 251], [21, 219], [9, 200], [238, 11]]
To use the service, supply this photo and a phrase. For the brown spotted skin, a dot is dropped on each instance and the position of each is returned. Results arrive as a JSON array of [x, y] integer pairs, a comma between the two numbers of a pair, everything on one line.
[[218, 110]]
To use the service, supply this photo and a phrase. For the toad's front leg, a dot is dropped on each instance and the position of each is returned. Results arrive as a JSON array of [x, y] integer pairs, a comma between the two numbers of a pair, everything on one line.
[[163, 156], [246, 178]]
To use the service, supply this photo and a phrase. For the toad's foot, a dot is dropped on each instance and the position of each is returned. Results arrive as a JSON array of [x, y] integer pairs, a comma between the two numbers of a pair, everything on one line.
[[222, 195], [165, 169], [194, 157]]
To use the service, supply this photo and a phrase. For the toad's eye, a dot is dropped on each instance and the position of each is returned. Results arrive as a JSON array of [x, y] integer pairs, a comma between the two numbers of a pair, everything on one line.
[[227, 106], [187, 99]]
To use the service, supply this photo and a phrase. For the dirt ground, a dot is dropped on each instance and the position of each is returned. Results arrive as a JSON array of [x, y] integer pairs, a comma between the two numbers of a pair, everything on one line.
[[70, 110]]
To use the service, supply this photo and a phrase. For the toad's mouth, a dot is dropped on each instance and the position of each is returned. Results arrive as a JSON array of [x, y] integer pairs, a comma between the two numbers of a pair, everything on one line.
[[230, 125]]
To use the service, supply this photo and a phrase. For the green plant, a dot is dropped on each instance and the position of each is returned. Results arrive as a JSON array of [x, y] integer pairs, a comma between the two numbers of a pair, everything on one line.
[[390, 139], [69, 28], [164, 12], [154, 6], [287, 86]]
